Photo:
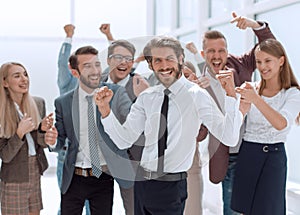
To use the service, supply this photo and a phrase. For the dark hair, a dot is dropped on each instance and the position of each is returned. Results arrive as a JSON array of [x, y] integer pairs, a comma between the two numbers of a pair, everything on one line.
[[274, 47], [73, 60], [212, 35], [124, 43], [162, 41]]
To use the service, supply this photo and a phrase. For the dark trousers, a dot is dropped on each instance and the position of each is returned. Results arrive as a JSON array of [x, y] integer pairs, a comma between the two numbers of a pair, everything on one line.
[[99, 192], [159, 197]]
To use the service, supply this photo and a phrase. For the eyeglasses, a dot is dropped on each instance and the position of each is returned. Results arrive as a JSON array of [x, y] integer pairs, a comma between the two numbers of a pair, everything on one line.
[[120, 58]]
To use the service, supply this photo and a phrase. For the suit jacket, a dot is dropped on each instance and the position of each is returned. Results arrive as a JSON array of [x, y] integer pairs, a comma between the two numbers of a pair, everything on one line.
[[67, 124], [14, 153], [136, 150]]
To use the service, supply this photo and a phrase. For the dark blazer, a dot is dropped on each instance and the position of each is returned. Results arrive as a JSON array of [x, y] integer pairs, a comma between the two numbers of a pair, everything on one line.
[[136, 150], [128, 86], [67, 124], [14, 153]]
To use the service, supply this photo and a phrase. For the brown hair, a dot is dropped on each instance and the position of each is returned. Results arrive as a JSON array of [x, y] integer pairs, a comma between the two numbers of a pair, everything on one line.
[[73, 59], [287, 77], [123, 43], [212, 35], [160, 42]]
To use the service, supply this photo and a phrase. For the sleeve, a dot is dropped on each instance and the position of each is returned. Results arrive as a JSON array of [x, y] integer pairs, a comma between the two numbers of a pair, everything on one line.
[[125, 135], [225, 128], [65, 80], [59, 125], [290, 109], [121, 104]]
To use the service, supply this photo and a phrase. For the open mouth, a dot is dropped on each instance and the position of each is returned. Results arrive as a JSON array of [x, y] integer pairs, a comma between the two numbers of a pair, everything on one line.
[[166, 73], [122, 69]]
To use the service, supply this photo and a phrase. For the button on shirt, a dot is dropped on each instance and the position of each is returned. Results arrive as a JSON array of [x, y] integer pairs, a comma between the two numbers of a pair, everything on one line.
[[189, 106], [83, 156]]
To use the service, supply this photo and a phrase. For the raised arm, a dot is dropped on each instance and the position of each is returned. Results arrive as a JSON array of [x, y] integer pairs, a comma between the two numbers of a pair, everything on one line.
[[65, 80], [105, 29]]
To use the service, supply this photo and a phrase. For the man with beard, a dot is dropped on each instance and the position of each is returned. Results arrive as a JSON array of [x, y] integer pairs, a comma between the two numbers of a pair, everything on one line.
[[170, 134], [92, 159]]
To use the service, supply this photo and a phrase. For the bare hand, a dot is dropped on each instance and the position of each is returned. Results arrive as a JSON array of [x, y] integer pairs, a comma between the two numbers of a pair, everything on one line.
[[191, 47], [102, 98], [25, 126], [227, 81], [139, 84], [69, 29], [51, 136], [105, 29], [203, 82], [248, 93], [244, 22], [47, 122]]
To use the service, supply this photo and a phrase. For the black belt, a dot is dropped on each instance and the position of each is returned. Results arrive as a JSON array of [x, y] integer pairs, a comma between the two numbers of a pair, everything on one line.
[[149, 175]]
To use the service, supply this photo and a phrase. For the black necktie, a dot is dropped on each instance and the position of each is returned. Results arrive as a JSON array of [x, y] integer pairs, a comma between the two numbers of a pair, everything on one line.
[[163, 132]]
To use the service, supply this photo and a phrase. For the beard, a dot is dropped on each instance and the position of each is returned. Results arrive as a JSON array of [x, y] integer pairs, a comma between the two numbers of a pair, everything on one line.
[[168, 81], [92, 85]]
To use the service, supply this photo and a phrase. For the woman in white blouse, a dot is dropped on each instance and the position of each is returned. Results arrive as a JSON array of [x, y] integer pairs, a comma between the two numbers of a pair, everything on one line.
[[272, 105]]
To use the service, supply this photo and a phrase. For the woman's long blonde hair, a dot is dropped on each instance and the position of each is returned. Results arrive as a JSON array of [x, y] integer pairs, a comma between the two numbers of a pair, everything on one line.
[[9, 117]]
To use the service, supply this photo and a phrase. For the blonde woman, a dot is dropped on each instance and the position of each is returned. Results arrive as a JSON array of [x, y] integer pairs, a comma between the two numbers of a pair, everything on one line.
[[21, 142]]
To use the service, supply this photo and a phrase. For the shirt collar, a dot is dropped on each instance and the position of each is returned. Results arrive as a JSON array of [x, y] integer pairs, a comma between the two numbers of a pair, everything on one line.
[[122, 83], [176, 86], [83, 94]]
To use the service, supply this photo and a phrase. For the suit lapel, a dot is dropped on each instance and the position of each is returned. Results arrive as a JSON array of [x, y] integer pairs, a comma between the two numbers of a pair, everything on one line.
[[75, 112]]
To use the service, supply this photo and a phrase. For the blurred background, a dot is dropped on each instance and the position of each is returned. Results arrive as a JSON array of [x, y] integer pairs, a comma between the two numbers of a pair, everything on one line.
[[31, 32]]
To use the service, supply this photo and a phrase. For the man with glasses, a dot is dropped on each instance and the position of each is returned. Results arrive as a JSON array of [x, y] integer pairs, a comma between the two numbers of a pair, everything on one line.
[[120, 59]]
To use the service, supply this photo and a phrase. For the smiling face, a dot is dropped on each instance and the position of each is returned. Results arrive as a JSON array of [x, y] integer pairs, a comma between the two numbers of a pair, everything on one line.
[[120, 63], [89, 72], [16, 81], [165, 65], [268, 65], [215, 54]]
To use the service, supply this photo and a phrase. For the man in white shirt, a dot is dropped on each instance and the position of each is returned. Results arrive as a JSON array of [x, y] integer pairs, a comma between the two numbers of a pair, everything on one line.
[[164, 191]]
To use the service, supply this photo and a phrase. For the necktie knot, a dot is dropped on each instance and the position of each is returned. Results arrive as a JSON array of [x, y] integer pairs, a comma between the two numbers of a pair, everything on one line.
[[89, 99], [167, 92]]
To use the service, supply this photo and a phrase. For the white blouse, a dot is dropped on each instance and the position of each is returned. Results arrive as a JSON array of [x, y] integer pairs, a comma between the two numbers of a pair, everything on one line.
[[258, 128]]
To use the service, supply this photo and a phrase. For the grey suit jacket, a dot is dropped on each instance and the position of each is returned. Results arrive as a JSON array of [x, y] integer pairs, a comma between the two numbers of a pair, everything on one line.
[[67, 124]]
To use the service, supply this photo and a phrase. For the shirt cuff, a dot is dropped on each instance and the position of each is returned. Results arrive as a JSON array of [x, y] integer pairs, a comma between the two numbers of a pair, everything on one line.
[[68, 40], [261, 27]]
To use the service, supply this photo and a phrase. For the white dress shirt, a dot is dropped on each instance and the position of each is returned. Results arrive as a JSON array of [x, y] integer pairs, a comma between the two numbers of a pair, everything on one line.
[[83, 159], [189, 106], [122, 83], [259, 129]]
